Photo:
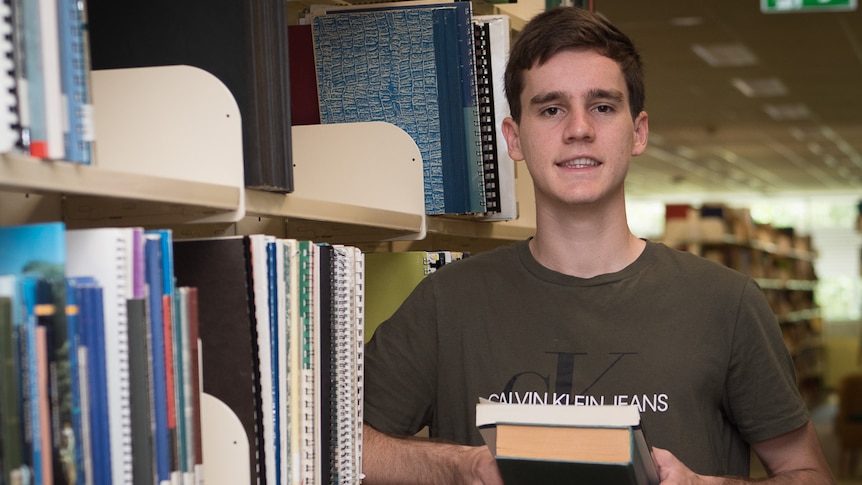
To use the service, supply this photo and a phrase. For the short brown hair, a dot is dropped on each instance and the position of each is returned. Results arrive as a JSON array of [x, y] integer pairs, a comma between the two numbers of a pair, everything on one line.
[[572, 28]]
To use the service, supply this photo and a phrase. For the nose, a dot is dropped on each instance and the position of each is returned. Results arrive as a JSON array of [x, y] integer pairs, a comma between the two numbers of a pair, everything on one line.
[[579, 126]]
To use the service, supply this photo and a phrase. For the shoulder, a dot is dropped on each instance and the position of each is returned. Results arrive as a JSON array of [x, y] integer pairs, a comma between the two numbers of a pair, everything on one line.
[[691, 272], [686, 262]]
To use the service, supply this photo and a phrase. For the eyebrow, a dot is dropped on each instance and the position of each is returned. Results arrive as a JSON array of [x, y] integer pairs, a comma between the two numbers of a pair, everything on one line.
[[610, 94], [547, 97], [592, 94]]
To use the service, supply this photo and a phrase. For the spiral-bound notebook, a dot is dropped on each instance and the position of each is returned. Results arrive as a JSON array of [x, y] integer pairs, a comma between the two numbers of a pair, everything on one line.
[[9, 113], [492, 49], [107, 255]]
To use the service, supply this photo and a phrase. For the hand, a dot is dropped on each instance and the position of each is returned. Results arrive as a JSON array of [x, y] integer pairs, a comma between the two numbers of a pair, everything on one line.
[[482, 467], [671, 471]]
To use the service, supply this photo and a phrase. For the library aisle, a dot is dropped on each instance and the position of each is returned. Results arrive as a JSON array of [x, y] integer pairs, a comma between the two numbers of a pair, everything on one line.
[[823, 417]]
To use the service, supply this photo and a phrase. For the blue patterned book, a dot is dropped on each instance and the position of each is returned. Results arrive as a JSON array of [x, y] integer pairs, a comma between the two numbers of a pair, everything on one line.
[[386, 64]]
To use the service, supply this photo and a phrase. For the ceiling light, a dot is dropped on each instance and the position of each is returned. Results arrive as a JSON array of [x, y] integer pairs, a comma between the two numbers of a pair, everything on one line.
[[725, 55], [686, 21], [760, 88], [686, 152], [784, 112], [797, 134]]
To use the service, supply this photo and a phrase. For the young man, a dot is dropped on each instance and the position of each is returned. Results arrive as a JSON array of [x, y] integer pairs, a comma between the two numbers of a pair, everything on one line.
[[585, 312]]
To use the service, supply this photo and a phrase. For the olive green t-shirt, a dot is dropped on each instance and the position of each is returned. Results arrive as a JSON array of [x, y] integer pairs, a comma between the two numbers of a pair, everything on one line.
[[692, 343]]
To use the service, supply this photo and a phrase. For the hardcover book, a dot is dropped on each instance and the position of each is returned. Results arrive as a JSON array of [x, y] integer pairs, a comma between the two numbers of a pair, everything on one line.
[[537, 444]]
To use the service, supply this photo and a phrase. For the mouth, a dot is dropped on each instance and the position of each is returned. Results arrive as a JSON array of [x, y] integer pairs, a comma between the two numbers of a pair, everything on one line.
[[579, 163]]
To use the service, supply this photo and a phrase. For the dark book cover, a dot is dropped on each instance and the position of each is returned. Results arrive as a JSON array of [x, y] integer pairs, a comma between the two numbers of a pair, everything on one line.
[[220, 268], [244, 44], [140, 391], [304, 105]]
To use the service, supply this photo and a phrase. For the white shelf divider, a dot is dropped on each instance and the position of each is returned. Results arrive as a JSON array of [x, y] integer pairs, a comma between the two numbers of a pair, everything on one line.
[[363, 174], [179, 123]]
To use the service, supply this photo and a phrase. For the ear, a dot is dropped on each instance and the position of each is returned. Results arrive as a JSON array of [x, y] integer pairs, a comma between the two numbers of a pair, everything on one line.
[[512, 134], [641, 134]]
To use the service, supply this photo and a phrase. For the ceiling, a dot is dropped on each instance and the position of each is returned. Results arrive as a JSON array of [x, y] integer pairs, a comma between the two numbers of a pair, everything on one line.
[[802, 136]]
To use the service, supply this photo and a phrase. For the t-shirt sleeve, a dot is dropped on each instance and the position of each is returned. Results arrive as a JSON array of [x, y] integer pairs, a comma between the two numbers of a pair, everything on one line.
[[762, 396], [400, 366]]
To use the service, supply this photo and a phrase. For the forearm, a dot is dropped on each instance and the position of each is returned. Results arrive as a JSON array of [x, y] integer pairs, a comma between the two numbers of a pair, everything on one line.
[[406, 461]]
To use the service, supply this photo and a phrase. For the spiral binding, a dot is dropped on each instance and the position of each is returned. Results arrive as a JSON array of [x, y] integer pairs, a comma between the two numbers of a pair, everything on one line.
[[9, 119]]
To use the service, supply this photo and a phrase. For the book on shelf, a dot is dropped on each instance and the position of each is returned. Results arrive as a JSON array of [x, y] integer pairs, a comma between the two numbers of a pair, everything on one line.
[[10, 106], [426, 63], [107, 254], [347, 378], [279, 325], [535, 443], [244, 44], [187, 385], [87, 298], [10, 417], [42, 65], [140, 377], [220, 268], [492, 50], [196, 456], [304, 106], [34, 256], [78, 132]]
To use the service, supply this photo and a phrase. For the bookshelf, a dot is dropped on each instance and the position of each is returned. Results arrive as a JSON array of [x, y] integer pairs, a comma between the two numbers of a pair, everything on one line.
[[183, 173], [169, 155]]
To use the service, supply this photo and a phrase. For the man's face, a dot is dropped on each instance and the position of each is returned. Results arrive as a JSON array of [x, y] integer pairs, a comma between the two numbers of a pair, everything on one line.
[[576, 132]]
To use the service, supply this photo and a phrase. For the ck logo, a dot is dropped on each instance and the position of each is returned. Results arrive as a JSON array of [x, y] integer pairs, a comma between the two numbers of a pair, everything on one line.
[[564, 376]]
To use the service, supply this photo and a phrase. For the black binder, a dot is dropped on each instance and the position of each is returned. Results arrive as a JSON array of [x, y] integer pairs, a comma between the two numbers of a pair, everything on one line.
[[242, 43]]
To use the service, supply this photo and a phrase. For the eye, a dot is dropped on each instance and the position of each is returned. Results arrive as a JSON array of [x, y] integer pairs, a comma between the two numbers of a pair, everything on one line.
[[605, 108], [551, 111]]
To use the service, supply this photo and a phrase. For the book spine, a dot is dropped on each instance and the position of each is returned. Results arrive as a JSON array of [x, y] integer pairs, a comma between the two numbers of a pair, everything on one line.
[[469, 92], [341, 400], [140, 394], [260, 276], [179, 356], [274, 312], [295, 345], [359, 349], [22, 144], [53, 98], [196, 436], [74, 71], [42, 441], [9, 119], [323, 321], [487, 118], [31, 82], [161, 442], [307, 390]]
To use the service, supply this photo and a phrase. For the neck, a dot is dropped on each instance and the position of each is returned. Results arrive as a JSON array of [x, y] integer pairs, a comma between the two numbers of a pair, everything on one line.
[[585, 242]]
